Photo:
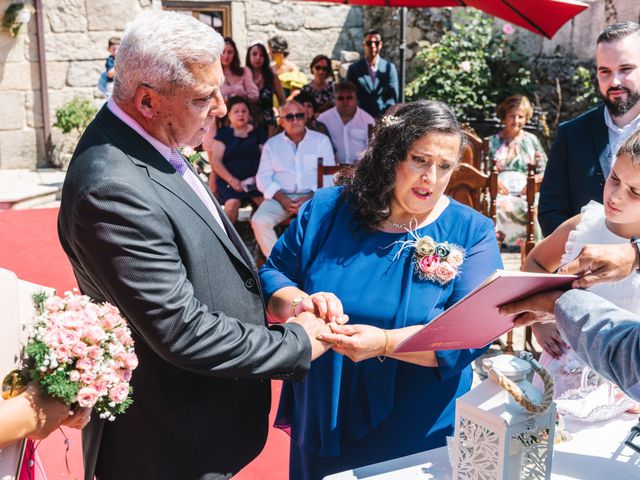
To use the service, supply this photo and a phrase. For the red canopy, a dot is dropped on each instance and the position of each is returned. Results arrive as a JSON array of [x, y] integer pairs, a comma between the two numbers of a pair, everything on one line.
[[544, 17]]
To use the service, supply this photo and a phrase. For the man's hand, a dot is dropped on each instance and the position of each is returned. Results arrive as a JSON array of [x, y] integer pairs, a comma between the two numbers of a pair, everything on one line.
[[325, 305], [315, 327], [78, 419], [283, 200], [536, 308], [358, 342], [602, 264]]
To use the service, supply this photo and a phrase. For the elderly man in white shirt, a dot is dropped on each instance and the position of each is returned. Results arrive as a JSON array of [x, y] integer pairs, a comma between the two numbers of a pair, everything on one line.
[[348, 124], [288, 171]]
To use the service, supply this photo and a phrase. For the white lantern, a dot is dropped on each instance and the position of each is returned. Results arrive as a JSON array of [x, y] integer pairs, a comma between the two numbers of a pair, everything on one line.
[[505, 426]]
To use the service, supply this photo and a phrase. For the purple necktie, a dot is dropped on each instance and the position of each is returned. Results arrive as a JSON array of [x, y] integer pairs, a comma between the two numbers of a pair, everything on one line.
[[178, 162]]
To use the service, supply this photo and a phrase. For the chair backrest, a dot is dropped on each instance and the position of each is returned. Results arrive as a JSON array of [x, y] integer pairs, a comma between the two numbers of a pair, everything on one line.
[[533, 187], [328, 170], [475, 149], [479, 190]]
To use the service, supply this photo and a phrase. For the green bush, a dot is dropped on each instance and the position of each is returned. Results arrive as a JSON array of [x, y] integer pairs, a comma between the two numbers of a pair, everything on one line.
[[471, 68], [75, 115]]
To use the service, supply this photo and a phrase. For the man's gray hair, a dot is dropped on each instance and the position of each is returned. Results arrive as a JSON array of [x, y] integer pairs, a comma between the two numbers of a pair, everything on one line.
[[158, 48], [617, 31]]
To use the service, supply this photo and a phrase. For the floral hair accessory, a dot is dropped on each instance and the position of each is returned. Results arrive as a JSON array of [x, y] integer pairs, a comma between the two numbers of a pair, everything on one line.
[[390, 120], [437, 262]]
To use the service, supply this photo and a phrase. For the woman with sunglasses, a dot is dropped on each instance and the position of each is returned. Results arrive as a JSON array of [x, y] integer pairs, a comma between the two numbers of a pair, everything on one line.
[[267, 83], [238, 81], [321, 87]]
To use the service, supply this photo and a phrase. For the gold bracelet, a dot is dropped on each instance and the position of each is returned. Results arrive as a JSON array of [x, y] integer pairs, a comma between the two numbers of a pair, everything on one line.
[[382, 358]]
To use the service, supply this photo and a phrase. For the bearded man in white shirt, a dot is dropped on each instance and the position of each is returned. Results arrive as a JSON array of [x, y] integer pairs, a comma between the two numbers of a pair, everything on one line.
[[348, 124], [287, 175]]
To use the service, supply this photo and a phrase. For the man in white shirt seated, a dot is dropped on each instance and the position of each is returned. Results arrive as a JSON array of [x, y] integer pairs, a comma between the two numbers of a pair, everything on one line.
[[348, 124], [288, 172]]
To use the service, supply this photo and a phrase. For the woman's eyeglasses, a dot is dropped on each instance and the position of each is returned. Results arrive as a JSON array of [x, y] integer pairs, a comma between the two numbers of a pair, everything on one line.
[[370, 43], [290, 117], [321, 68]]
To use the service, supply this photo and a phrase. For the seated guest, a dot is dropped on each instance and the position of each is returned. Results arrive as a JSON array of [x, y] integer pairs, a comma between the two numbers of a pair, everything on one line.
[[354, 409], [290, 76], [348, 124], [321, 86], [238, 81], [287, 175], [512, 149], [311, 111], [235, 158], [267, 82]]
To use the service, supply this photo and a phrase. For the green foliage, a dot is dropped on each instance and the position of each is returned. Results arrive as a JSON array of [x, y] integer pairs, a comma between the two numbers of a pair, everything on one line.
[[36, 351], [57, 384], [38, 300], [471, 68], [75, 115], [586, 86]]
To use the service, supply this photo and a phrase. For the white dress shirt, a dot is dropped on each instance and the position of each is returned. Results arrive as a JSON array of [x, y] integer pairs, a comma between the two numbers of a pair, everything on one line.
[[617, 136], [292, 168], [350, 139]]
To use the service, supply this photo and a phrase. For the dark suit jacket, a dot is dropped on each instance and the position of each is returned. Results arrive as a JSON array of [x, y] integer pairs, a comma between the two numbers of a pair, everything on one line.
[[375, 97], [139, 237], [573, 176]]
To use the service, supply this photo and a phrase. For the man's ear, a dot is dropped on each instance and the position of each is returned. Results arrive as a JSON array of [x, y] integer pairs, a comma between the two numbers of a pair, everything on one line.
[[146, 101]]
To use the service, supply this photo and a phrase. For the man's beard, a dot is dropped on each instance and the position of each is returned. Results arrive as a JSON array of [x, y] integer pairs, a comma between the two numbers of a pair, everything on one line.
[[619, 107]]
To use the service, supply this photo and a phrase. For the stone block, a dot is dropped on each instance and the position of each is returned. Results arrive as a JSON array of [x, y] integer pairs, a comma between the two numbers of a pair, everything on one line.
[[323, 16], [289, 16], [111, 15], [76, 46], [260, 13], [11, 49], [586, 28], [238, 26], [84, 74], [12, 114], [21, 149], [19, 76], [66, 15], [57, 74], [33, 107]]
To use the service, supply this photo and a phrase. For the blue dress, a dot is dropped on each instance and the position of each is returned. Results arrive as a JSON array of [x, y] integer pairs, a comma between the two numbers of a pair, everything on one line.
[[346, 414]]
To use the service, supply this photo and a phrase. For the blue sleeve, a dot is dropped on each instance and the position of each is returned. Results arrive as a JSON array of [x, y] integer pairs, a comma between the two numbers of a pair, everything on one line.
[[605, 337], [283, 267], [482, 259], [554, 206], [110, 63]]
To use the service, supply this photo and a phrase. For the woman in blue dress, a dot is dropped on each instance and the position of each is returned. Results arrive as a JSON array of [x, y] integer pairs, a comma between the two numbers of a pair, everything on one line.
[[360, 402]]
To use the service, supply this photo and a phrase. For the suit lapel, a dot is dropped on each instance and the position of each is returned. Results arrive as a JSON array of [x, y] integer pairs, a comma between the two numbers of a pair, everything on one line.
[[161, 172], [600, 136]]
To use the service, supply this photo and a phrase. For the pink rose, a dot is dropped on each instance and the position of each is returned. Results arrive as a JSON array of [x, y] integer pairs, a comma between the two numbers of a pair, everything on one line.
[[109, 321], [94, 352], [131, 361], [87, 397], [74, 375], [53, 303], [79, 349], [62, 353], [429, 264], [119, 393], [445, 272], [508, 29], [94, 334], [85, 364], [87, 378]]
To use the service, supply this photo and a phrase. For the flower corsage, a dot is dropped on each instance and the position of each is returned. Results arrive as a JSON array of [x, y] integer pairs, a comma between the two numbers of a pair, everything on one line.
[[437, 262]]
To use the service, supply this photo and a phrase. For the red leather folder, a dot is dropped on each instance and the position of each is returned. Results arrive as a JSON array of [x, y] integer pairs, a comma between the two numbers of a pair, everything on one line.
[[474, 321]]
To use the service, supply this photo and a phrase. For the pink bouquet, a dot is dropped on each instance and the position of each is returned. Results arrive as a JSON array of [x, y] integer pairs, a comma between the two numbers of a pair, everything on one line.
[[82, 352]]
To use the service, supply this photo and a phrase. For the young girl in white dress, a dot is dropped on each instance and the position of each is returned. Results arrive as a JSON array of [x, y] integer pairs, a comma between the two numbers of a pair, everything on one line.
[[614, 221]]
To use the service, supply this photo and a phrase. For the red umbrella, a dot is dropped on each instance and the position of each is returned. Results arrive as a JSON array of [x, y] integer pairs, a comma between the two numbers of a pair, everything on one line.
[[544, 17]]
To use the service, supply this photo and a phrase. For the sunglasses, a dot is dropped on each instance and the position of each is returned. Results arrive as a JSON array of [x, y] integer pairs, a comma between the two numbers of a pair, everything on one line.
[[290, 117], [341, 98], [321, 68], [370, 43]]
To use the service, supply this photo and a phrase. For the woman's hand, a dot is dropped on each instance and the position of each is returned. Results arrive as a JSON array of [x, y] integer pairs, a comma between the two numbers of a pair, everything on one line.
[[358, 342], [235, 184], [324, 305], [549, 339]]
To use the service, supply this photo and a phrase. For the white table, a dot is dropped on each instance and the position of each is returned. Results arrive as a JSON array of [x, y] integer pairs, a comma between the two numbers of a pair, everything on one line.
[[595, 452]]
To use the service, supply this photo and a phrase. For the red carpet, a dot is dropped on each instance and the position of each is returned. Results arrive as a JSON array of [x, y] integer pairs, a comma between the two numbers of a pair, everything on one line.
[[30, 248]]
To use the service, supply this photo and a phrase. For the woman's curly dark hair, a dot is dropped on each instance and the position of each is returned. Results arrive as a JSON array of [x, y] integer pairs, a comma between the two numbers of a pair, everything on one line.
[[369, 186]]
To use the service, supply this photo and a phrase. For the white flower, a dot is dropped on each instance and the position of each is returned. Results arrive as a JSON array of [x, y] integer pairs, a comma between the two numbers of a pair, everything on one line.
[[465, 66], [390, 120]]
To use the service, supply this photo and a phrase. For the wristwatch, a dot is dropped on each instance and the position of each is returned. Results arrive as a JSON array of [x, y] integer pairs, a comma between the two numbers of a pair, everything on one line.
[[294, 303], [636, 240]]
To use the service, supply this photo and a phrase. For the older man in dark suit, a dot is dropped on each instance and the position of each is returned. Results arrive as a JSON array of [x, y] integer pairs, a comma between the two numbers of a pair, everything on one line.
[[585, 148], [142, 232], [375, 77]]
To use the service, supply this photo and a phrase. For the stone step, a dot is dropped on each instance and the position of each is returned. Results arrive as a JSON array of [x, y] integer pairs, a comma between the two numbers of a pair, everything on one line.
[[21, 189], [42, 198]]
